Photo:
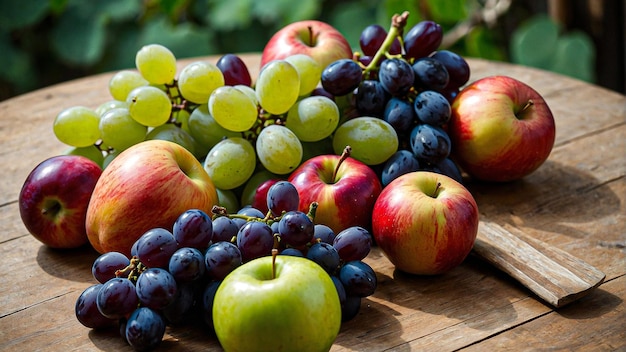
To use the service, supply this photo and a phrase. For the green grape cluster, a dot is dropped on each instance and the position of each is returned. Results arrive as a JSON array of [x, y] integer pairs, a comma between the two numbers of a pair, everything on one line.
[[235, 128]]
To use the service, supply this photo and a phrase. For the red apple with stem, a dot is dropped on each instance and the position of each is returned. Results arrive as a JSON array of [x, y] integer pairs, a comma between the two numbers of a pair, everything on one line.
[[344, 188], [501, 129], [425, 223], [54, 198], [316, 39], [146, 186]]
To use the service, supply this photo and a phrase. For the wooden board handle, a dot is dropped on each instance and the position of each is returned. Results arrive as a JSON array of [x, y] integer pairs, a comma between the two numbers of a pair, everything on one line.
[[554, 275]]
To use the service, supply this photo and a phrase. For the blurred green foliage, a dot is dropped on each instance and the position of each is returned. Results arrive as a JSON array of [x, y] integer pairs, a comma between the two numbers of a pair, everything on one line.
[[47, 41]]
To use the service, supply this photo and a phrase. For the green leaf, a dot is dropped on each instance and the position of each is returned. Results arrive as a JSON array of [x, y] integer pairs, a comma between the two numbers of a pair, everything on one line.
[[16, 66], [350, 20], [533, 43], [17, 14], [184, 40], [447, 11], [79, 37], [574, 56], [480, 43], [225, 15]]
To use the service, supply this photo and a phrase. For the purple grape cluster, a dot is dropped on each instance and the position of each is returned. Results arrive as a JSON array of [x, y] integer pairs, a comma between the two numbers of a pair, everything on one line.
[[410, 83], [173, 275]]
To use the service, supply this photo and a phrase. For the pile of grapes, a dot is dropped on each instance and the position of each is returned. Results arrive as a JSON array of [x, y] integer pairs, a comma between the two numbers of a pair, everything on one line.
[[410, 89], [172, 276]]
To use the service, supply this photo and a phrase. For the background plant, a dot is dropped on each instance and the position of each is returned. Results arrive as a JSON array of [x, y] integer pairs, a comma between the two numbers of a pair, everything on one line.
[[48, 41]]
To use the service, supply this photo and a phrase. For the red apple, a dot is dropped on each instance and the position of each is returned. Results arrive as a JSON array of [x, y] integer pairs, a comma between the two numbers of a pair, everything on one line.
[[316, 39], [501, 129], [147, 185], [425, 223], [344, 188], [54, 198]]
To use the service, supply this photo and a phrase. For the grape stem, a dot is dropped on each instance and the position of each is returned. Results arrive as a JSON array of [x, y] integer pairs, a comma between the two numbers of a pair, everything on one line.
[[398, 22], [346, 153], [312, 210]]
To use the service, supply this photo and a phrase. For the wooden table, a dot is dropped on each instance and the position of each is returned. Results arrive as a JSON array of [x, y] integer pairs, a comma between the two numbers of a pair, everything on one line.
[[576, 201]]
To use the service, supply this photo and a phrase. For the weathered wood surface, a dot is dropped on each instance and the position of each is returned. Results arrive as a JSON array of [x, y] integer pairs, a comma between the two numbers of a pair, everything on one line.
[[575, 202]]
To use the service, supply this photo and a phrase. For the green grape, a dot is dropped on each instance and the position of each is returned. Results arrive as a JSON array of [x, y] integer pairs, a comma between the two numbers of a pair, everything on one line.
[[205, 130], [232, 109], [279, 149], [77, 126], [372, 140], [313, 118], [230, 163], [90, 152], [181, 119], [277, 87], [123, 82], [156, 63], [173, 133], [309, 70], [111, 104], [120, 131], [228, 199], [149, 106], [249, 91], [198, 80]]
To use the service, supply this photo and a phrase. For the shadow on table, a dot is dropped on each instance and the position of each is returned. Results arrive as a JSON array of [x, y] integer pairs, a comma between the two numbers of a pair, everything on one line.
[[69, 264], [555, 198]]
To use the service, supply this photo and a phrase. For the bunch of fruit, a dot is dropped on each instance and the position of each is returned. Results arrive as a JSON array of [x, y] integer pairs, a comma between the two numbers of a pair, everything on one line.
[[405, 82], [175, 274]]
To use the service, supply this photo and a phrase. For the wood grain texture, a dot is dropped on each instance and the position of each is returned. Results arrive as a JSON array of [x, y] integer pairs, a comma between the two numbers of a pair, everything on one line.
[[575, 202]]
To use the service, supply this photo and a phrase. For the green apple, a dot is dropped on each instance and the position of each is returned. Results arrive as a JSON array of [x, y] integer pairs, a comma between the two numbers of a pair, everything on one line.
[[291, 305]]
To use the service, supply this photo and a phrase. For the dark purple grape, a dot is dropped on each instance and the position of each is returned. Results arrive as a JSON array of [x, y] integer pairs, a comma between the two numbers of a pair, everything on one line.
[[156, 288], [255, 239], [296, 228], [87, 312], [371, 98], [145, 329], [341, 77], [353, 243], [400, 163], [105, 266], [324, 233], [365, 61], [372, 37], [320, 91], [341, 291], [187, 264], [208, 297], [458, 69], [358, 278], [432, 108], [292, 252], [446, 167], [351, 308], [180, 311], [251, 212], [396, 76], [430, 143], [430, 74], [400, 114], [155, 247], [193, 228], [234, 70], [422, 39], [325, 255], [224, 229], [282, 197], [117, 298], [220, 259]]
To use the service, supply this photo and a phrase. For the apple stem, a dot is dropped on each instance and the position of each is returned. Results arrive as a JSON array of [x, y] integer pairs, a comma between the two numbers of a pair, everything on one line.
[[344, 155], [526, 106], [312, 210], [274, 255], [311, 39], [395, 31], [436, 189]]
